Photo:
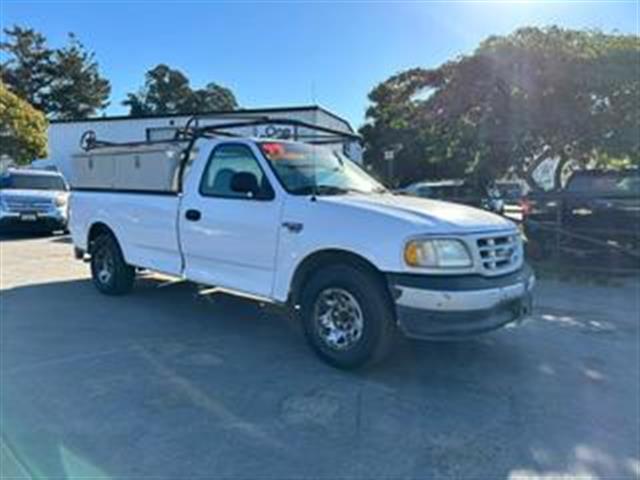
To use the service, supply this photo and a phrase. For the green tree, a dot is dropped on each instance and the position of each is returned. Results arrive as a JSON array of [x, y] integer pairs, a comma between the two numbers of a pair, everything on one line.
[[23, 129], [77, 90], [63, 82], [396, 123], [28, 70], [518, 100], [167, 90], [212, 98]]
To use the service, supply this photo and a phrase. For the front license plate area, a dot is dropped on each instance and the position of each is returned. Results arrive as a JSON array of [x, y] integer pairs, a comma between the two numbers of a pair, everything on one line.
[[28, 217]]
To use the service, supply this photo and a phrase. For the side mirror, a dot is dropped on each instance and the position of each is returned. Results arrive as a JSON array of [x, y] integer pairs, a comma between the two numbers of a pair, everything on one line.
[[245, 182]]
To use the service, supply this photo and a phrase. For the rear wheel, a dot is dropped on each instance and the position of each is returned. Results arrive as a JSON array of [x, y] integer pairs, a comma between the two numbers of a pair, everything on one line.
[[111, 274], [347, 316]]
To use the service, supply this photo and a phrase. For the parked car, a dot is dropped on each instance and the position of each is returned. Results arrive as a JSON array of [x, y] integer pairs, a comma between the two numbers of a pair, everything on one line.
[[34, 200], [597, 211], [457, 191], [303, 227], [513, 195], [512, 191]]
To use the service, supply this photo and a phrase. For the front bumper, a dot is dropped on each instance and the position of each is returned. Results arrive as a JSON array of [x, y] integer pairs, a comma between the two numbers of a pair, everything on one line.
[[444, 307], [44, 221]]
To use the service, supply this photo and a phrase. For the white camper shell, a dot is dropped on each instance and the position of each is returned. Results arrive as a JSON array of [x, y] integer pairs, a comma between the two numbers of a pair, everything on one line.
[[143, 168]]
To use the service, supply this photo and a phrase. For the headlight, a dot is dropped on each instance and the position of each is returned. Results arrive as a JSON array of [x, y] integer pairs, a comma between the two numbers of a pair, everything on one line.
[[61, 201], [439, 253]]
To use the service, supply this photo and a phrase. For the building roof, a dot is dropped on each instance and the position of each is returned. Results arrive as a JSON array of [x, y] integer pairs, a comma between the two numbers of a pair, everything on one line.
[[267, 110]]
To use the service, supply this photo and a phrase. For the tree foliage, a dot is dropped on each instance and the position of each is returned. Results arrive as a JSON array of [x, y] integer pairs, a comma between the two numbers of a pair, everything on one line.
[[77, 90], [23, 129], [212, 97], [167, 90], [28, 69], [62, 83], [517, 100]]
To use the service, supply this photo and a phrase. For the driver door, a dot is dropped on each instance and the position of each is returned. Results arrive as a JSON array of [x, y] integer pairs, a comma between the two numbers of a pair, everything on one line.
[[229, 238]]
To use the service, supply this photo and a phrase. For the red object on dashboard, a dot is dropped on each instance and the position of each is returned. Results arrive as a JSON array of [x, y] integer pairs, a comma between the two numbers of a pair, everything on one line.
[[272, 149]]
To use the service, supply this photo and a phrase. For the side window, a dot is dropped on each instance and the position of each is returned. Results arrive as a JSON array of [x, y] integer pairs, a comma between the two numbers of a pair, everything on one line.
[[438, 193], [629, 184], [424, 192], [225, 163]]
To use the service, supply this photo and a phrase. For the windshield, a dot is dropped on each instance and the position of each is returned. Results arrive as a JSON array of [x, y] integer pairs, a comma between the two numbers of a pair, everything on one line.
[[308, 169], [608, 183], [32, 182]]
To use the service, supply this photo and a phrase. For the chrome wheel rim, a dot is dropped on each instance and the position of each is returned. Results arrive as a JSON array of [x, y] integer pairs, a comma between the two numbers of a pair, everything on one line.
[[105, 267], [338, 318]]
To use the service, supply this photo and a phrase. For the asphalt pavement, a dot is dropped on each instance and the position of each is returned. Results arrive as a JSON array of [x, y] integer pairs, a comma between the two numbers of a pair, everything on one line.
[[164, 383]]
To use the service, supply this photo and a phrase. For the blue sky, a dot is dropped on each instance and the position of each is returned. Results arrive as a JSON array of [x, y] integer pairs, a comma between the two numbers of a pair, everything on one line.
[[288, 53]]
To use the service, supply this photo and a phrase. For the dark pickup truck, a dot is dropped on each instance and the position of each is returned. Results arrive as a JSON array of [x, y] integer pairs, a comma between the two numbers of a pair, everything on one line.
[[598, 212]]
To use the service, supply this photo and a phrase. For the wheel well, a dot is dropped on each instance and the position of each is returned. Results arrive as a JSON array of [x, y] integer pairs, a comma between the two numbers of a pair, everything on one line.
[[325, 258], [95, 231]]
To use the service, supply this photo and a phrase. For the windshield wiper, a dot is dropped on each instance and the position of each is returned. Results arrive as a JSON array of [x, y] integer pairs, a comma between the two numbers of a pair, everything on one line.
[[321, 190]]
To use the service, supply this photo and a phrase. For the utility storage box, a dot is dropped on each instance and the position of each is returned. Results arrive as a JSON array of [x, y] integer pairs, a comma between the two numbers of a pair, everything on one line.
[[152, 167]]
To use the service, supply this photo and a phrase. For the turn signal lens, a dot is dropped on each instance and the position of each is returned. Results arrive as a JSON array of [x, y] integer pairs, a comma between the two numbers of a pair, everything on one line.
[[411, 254]]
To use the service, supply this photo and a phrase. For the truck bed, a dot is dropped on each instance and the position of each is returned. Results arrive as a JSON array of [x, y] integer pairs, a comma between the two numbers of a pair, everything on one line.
[[145, 224]]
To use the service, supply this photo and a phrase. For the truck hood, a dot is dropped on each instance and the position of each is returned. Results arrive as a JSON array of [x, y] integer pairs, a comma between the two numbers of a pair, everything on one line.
[[433, 216]]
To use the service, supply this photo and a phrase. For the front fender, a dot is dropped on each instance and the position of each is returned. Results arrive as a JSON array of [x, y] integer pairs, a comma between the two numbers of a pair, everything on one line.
[[374, 238]]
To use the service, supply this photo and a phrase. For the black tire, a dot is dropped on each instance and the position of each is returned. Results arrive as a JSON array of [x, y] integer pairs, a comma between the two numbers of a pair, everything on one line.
[[111, 274], [375, 306]]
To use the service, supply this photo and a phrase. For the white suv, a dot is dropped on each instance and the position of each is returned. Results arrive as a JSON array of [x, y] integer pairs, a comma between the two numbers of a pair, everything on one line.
[[33, 200]]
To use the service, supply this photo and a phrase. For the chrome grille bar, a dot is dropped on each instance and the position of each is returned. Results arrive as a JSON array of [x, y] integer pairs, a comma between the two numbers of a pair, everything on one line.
[[499, 253], [20, 206]]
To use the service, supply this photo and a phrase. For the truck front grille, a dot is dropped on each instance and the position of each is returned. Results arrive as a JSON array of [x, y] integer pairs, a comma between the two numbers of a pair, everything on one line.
[[27, 205], [500, 253]]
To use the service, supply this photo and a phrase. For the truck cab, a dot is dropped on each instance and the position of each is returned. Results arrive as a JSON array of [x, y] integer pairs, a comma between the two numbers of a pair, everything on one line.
[[304, 227]]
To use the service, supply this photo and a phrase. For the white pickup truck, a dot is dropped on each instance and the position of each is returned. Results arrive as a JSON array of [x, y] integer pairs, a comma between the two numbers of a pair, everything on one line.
[[302, 226]]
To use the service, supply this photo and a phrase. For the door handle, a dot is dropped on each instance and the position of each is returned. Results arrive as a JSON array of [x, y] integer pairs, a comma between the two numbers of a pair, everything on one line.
[[193, 215], [293, 227]]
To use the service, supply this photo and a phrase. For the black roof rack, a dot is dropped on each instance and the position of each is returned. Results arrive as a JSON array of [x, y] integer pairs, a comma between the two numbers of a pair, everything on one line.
[[322, 134], [311, 133], [191, 132]]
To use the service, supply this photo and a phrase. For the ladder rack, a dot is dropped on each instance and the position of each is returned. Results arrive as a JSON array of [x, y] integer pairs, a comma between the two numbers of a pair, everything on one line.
[[171, 171], [192, 131]]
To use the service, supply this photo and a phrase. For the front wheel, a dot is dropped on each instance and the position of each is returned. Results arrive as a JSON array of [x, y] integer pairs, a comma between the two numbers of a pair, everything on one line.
[[347, 316], [111, 274]]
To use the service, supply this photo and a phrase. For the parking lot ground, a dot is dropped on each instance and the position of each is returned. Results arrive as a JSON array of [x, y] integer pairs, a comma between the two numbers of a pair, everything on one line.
[[165, 384]]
